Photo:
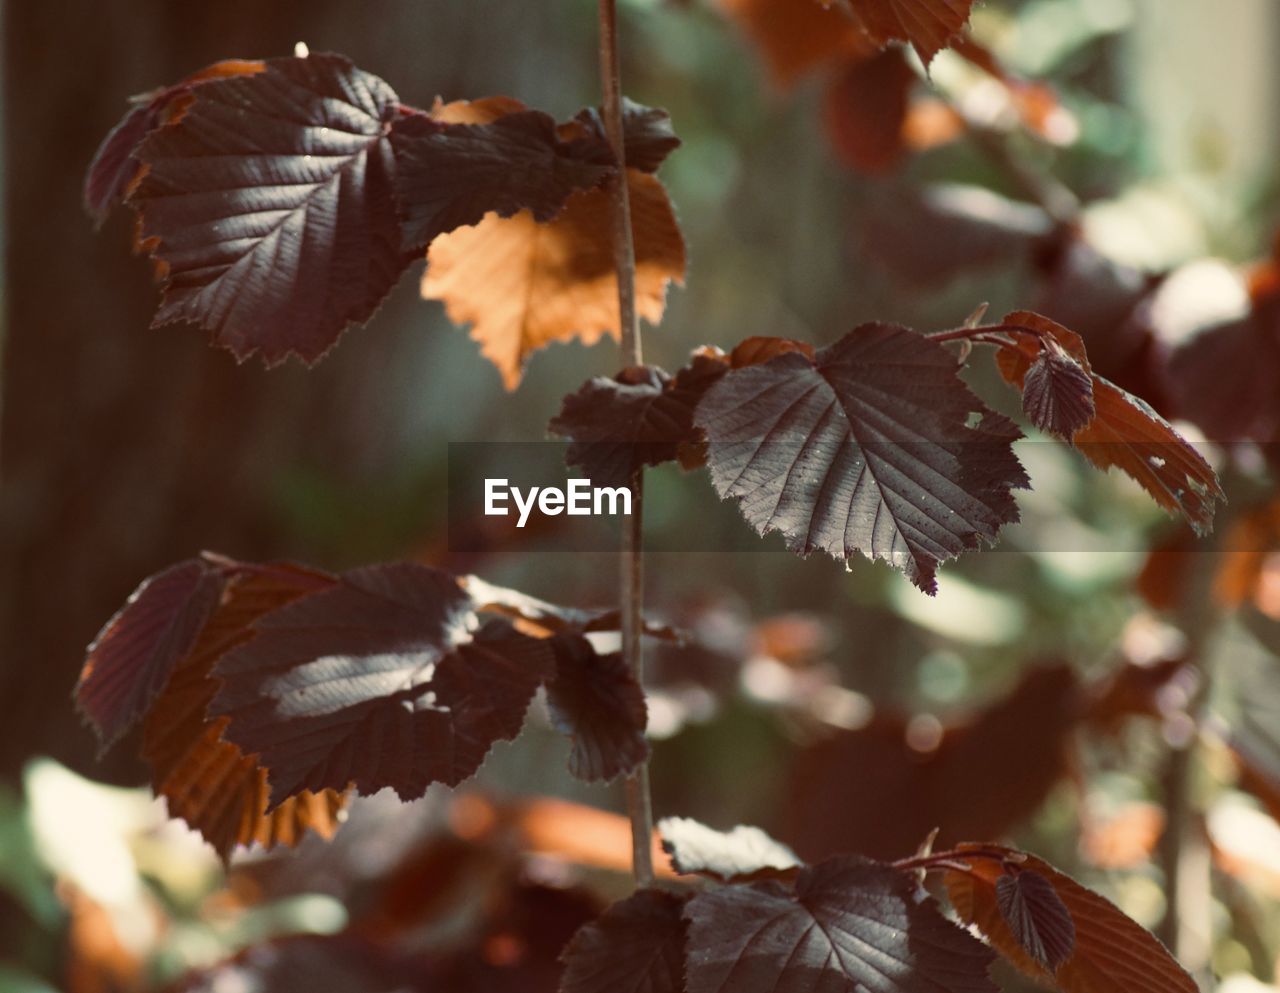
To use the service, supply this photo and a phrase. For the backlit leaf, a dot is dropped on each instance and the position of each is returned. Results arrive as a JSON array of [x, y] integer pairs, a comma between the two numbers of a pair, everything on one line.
[[596, 700], [929, 25], [867, 447], [636, 945], [851, 924], [135, 652], [523, 285], [1036, 916], [207, 781], [269, 207], [1112, 953], [744, 853], [380, 681], [1125, 432]]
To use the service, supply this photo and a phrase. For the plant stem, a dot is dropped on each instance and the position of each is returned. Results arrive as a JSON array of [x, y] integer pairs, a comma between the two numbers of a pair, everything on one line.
[[639, 803]]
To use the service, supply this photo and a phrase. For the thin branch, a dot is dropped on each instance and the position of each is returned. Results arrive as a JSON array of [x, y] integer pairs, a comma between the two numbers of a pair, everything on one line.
[[639, 804]]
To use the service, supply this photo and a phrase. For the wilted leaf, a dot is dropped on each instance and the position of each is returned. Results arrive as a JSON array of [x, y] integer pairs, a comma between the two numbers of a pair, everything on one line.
[[795, 37], [523, 285], [1112, 953], [269, 207], [866, 447], [451, 175], [744, 853], [929, 25], [1036, 916], [865, 110], [208, 782], [636, 945], [379, 681], [114, 165], [596, 700], [135, 652], [851, 924], [1125, 433]]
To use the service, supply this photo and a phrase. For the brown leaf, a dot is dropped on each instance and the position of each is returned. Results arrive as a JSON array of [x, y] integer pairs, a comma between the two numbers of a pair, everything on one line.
[[1125, 433], [929, 25], [865, 110], [523, 285], [207, 781], [1113, 953], [794, 37]]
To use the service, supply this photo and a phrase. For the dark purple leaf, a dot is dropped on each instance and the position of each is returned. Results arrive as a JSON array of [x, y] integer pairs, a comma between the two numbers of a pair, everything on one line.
[[851, 924], [596, 700], [647, 135], [451, 175], [270, 210], [636, 946], [867, 447], [1057, 394], [135, 652], [377, 682], [1037, 917]]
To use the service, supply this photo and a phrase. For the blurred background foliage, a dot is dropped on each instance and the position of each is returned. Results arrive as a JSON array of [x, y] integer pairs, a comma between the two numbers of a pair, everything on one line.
[[1037, 697]]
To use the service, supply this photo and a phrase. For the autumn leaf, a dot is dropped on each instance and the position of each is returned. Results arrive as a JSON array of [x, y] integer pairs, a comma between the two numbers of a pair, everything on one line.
[[739, 855], [382, 680], [867, 447], [134, 654], [850, 924], [524, 285], [1125, 432], [114, 165], [207, 781], [929, 25], [269, 207], [637, 944], [794, 37], [865, 111], [1111, 952], [596, 700]]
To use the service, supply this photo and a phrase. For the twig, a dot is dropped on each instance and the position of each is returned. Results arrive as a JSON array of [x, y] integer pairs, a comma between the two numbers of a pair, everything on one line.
[[639, 803]]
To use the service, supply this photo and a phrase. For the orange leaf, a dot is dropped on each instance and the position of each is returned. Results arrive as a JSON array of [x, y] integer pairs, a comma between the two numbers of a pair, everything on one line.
[[1125, 433], [523, 285], [795, 37], [1112, 953], [929, 25], [209, 782]]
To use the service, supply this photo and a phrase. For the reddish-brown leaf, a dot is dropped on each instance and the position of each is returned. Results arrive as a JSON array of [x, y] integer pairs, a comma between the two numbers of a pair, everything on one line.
[[207, 781], [135, 652], [929, 25], [795, 37], [1057, 394], [523, 285], [1112, 953], [1125, 432], [865, 110], [638, 945], [596, 700]]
